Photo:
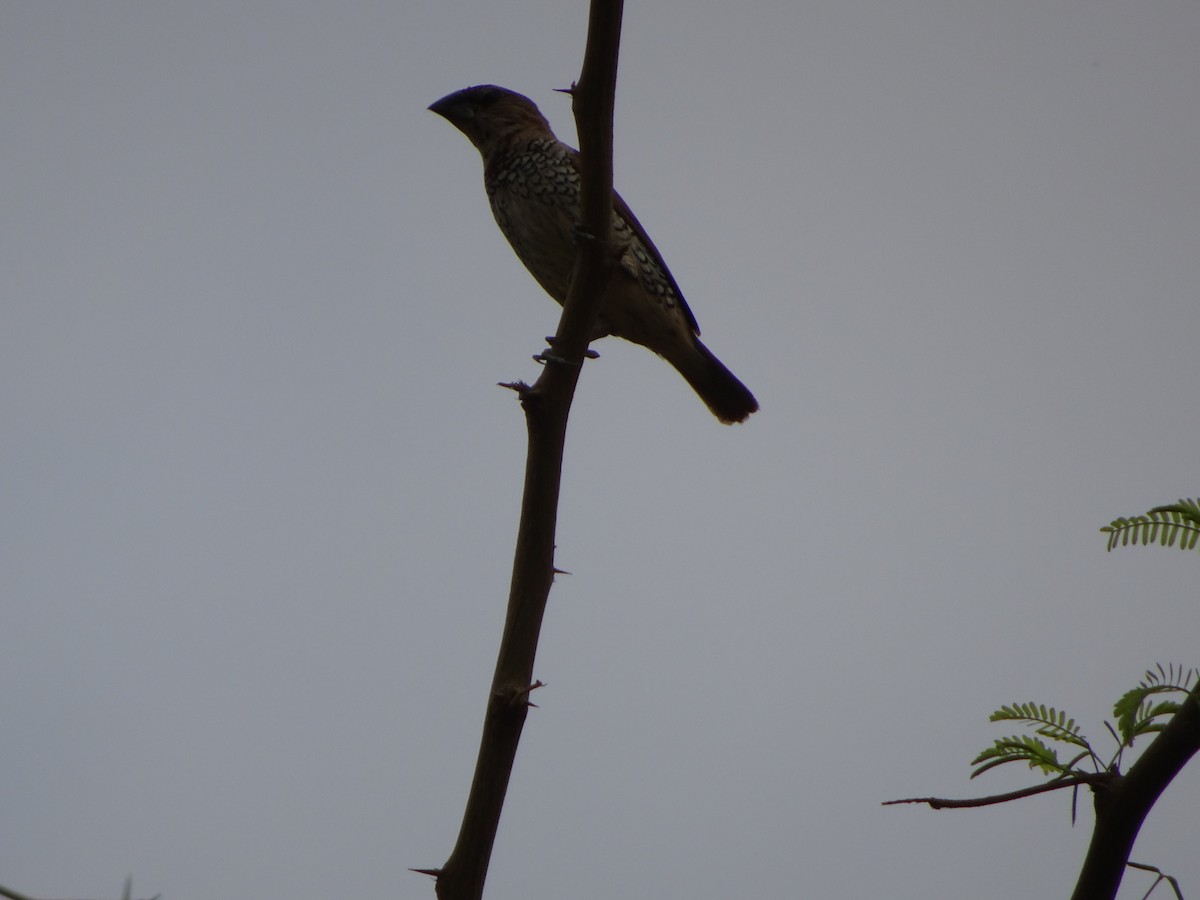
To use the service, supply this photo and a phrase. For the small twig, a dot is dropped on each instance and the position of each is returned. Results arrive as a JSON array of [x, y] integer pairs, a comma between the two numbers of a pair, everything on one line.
[[943, 803], [1169, 879]]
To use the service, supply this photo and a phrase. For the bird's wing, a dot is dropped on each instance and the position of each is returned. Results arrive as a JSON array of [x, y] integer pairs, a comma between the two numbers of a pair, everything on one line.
[[623, 210]]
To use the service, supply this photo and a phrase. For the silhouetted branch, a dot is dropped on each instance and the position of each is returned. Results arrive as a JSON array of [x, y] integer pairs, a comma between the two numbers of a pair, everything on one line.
[[1057, 784], [1123, 805], [1122, 802], [547, 405]]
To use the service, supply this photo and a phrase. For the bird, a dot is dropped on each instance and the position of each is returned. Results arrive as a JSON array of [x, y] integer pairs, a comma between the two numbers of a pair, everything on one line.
[[532, 181]]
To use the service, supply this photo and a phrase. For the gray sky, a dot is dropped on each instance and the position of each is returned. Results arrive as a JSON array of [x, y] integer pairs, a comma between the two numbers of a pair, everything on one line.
[[260, 489]]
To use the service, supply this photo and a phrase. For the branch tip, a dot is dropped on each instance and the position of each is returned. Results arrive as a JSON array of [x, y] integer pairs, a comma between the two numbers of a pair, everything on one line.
[[1096, 781]]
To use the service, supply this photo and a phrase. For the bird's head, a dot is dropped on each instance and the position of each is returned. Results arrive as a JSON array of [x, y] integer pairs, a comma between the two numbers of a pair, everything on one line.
[[490, 116]]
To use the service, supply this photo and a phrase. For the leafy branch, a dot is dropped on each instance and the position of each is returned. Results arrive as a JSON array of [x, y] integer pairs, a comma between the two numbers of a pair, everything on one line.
[[1045, 721], [1162, 525], [1122, 800], [1135, 714]]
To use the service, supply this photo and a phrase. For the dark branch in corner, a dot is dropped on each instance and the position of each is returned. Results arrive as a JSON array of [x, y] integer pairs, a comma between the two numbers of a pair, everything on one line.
[[125, 895], [1121, 810], [1121, 802]]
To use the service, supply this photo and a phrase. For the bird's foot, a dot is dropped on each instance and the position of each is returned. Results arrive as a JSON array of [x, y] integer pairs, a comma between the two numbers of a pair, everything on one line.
[[548, 355]]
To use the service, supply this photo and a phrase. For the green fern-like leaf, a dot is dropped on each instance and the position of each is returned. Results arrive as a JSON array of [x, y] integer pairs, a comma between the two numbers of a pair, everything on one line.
[[1166, 525], [1019, 748], [1172, 674], [1189, 510], [1136, 715], [1049, 722], [1145, 719], [1172, 678]]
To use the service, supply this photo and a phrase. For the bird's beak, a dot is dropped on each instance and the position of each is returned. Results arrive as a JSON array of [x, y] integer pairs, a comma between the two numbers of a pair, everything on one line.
[[451, 108]]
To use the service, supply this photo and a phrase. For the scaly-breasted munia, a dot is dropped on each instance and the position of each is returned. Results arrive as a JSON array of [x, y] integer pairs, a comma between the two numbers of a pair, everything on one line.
[[532, 182]]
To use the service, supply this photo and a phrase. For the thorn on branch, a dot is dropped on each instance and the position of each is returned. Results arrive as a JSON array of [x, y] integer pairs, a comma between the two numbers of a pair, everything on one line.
[[533, 687], [616, 249], [432, 873], [528, 395], [515, 697]]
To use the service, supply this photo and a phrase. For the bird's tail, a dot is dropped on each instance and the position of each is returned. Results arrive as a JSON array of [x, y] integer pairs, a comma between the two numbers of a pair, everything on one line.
[[729, 399]]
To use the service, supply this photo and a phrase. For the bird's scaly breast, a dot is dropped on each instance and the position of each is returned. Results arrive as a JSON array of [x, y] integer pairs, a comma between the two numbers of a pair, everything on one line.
[[534, 194]]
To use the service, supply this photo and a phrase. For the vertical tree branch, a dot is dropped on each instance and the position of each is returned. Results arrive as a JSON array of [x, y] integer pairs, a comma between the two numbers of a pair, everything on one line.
[[1122, 806], [547, 405]]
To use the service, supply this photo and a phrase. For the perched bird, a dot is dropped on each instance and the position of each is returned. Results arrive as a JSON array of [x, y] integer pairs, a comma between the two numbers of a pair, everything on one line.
[[532, 182]]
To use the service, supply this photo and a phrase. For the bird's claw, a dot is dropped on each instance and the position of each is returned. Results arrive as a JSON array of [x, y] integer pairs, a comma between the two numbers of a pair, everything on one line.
[[546, 356], [589, 352]]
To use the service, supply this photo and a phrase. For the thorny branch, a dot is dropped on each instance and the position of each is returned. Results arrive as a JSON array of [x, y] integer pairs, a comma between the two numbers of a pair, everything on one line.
[[547, 405]]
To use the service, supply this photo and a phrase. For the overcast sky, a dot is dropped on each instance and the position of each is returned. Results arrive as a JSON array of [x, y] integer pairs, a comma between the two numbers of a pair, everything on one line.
[[260, 490]]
